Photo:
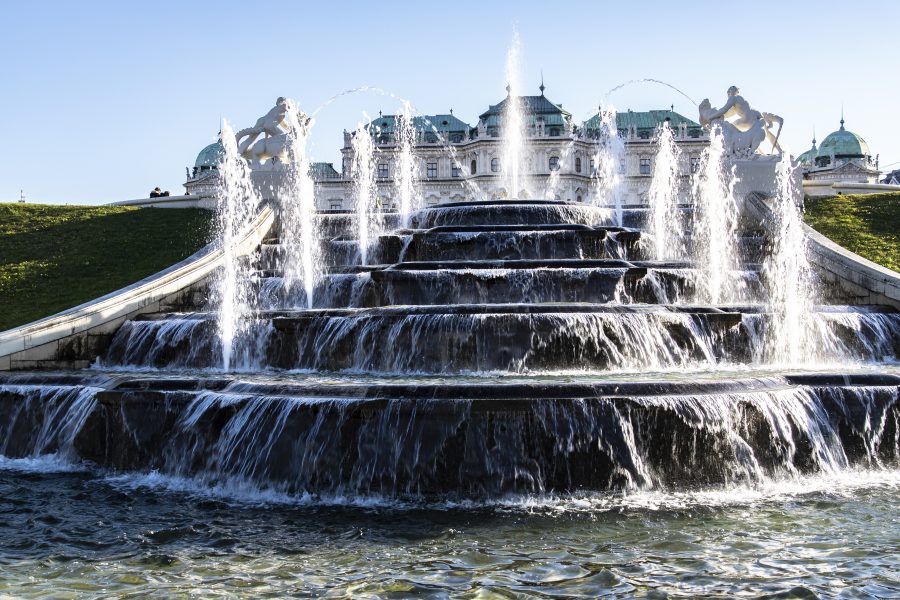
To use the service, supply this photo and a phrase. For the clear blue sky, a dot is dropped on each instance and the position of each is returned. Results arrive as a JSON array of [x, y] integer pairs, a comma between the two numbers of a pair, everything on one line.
[[102, 101]]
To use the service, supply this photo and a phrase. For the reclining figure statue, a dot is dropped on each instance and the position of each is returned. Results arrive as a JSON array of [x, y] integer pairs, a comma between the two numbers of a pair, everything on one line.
[[743, 128], [275, 127]]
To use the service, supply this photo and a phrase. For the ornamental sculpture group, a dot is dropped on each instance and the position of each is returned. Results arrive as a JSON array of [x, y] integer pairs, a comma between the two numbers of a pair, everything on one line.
[[743, 128], [275, 129]]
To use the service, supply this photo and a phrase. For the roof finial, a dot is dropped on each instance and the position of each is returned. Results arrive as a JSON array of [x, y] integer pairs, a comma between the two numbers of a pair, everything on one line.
[[814, 137], [542, 88], [508, 89], [842, 116]]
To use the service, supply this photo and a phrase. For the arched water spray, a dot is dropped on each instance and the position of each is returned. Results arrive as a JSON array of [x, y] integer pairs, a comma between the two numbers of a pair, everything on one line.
[[405, 177], [715, 222], [368, 217], [299, 235], [609, 156], [665, 222], [787, 275], [513, 123], [236, 203]]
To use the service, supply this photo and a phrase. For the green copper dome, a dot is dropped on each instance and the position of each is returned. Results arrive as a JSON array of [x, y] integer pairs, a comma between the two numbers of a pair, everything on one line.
[[210, 156], [809, 156], [843, 143]]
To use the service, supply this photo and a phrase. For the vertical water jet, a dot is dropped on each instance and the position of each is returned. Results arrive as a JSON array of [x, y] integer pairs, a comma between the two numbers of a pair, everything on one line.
[[787, 274], [665, 221], [236, 203], [609, 157], [715, 222], [299, 235], [405, 177], [365, 190], [513, 124]]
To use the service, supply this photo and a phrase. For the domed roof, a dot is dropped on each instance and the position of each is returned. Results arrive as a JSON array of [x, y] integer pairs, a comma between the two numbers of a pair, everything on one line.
[[809, 156], [844, 143], [210, 156]]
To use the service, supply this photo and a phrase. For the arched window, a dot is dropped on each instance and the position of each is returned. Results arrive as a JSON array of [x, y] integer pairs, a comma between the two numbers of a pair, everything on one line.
[[578, 165], [554, 163], [578, 198], [473, 168], [495, 165]]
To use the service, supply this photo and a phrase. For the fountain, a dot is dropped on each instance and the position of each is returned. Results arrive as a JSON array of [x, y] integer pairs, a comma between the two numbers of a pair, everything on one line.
[[485, 349], [513, 155], [715, 223], [406, 165], [368, 217], [299, 235], [608, 158], [237, 201], [665, 218]]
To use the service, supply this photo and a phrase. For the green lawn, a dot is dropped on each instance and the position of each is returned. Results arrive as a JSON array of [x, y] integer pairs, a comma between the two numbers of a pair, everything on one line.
[[56, 257], [866, 224]]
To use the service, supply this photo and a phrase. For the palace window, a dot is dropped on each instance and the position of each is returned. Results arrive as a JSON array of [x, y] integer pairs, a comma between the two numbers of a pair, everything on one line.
[[578, 198], [621, 165], [473, 168], [554, 163], [578, 165], [382, 171], [695, 164], [645, 166], [554, 131], [334, 205], [454, 171], [495, 165], [593, 168], [431, 170]]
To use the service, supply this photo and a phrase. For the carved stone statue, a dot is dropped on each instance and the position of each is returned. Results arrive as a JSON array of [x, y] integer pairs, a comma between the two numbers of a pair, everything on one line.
[[744, 128], [275, 127]]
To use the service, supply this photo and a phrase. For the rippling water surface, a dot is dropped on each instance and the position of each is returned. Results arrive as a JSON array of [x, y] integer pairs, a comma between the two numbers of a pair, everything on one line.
[[69, 533]]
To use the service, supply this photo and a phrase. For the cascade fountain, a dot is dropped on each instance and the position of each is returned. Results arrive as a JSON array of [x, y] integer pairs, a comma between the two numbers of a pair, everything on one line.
[[524, 353], [665, 218], [608, 157], [406, 165], [368, 217], [512, 160]]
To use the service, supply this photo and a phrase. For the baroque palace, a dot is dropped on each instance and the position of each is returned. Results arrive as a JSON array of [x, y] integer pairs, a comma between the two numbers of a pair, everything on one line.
[[453, 155]]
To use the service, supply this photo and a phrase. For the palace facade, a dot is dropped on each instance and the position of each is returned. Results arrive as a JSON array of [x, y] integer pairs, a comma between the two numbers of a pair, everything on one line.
[[457, 161]]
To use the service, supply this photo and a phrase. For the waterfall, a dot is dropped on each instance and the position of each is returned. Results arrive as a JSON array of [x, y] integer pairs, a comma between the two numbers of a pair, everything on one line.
[[665, 220], [715, 222], [405, 177], [787, 275], [236, 202], [368, 215], [609, 157], [513, 156], [301, 261]]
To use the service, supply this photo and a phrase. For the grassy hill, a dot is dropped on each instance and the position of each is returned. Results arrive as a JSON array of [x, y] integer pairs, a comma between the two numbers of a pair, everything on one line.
[[866, 224], [56, 257]]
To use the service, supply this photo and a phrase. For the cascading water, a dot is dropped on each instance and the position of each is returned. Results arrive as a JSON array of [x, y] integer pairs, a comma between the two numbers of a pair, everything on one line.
[[715, 223], [237, 201], [788, 277], [406, 165], [665, 219], [368, 215], [513, 155], [608, 159], [299, 234]]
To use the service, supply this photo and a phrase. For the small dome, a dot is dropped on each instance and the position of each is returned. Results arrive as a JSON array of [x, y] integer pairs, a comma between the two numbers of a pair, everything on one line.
[[210, 156], [808, 157], [843, 143]]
